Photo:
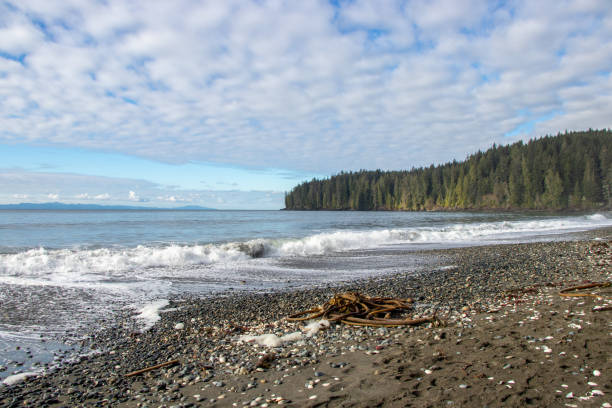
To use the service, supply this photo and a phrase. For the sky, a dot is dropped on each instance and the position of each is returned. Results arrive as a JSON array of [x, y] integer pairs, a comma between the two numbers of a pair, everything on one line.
[[229, 104]]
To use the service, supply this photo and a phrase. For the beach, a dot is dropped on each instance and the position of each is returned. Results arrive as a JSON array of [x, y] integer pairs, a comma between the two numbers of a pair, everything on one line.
[[332, 203], [503, 337]]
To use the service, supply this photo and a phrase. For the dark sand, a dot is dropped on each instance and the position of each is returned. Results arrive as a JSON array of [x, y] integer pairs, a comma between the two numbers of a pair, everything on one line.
[[508, 339]]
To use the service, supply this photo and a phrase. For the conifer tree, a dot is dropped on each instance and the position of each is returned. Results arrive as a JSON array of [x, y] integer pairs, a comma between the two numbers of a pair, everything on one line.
[[569, 170]]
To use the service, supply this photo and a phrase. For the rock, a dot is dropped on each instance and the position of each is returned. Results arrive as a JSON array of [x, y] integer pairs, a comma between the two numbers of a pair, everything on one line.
[[265, 360]]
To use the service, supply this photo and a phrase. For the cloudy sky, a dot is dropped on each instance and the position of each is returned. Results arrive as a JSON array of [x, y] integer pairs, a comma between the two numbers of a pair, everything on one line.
[[228, 104]]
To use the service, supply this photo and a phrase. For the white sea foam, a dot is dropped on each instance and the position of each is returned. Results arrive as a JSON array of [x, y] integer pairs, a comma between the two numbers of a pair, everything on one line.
[[454, 233], [271, 340], [337, 241], [316, 326], [110, 268], [17, 378], [149, 313], [111, 261]]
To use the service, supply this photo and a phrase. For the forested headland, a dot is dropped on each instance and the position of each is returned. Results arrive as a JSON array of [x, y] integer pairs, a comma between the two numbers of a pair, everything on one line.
[[572, 170]]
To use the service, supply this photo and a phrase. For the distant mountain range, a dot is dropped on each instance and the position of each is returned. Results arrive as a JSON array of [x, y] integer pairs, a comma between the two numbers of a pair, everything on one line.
[[64, 206]]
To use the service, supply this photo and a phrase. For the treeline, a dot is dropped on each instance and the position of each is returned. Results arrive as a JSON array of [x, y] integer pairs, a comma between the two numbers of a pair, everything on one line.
[[570, 170]]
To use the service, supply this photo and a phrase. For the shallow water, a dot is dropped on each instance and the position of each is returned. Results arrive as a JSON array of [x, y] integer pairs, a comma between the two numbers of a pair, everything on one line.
[[62, 271]]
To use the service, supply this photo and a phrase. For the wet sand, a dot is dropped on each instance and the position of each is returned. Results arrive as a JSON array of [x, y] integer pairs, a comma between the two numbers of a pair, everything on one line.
[[506, 339]]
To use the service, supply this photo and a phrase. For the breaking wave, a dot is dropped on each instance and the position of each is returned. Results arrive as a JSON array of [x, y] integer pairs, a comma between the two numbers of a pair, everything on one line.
[[84, 267]]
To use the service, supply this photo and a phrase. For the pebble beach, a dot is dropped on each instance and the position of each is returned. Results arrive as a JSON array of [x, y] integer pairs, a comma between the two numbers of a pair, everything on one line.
[[504, 337]]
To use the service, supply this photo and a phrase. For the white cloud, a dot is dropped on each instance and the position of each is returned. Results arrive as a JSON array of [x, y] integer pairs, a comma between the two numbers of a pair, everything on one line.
[[96, 197], [69, 187], [175, 199], [302, 85]]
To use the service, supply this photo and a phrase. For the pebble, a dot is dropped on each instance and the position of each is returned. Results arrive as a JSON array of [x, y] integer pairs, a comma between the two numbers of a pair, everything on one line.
[[216, 321], [597, 392]]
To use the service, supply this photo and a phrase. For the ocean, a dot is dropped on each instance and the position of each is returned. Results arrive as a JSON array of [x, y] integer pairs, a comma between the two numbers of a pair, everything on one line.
[[62, 272]]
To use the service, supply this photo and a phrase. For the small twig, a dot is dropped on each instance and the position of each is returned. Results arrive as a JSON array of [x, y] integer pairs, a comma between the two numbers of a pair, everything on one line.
[[566, 292], [155, 367]]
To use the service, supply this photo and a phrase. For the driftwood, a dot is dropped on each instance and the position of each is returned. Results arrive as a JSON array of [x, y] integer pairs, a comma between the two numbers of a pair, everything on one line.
[[571, 291], [360, 310], [388, 322], [155, 367]]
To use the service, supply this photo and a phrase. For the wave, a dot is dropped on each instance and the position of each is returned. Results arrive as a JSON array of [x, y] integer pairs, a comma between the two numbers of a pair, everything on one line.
[[454, 233], [113, 262], [111, 267], [597, 217]]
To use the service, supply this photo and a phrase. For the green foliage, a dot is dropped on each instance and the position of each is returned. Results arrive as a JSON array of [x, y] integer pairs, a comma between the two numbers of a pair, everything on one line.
[[569, 170]]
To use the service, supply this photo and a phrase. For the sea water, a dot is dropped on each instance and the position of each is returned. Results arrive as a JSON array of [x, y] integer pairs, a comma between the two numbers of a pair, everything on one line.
[[62, 271]]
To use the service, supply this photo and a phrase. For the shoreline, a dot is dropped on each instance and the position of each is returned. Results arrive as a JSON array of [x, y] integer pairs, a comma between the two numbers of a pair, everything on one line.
[[212, 361], [557, 211]]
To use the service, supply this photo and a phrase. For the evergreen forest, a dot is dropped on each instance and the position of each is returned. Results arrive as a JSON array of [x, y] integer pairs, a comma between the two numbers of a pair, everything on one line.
[[572, 170]]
